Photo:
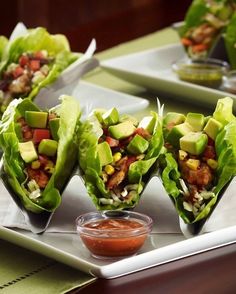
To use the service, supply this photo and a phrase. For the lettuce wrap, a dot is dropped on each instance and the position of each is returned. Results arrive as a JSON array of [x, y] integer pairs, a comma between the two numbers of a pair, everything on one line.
[[204, 23], [230, 41], [40, 151], [117, 155], [31, 62], [200, 160]]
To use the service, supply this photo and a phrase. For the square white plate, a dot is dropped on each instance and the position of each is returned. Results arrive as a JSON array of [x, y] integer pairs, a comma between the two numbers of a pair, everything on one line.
[[152, 69]]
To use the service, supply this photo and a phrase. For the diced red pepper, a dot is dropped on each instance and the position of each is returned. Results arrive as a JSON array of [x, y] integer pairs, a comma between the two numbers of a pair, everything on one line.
[[34, 65], [199, 48], [186, 42], [17, 72], [40, 134], [112, 142], [23, 60]]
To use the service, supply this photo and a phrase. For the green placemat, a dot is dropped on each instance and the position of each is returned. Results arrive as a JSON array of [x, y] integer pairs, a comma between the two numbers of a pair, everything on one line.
[[23, 271]]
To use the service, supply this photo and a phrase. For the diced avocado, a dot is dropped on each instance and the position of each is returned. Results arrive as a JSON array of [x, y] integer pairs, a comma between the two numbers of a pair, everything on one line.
[[173, 118], [104, 153], [122, 130], [194, 142], [148, 123], [36, 119], [111, 117], [177, 132], [54, 126], [127, 117], [196, 120], [137, 145], [48, 147], [212, 128], [27, 151]]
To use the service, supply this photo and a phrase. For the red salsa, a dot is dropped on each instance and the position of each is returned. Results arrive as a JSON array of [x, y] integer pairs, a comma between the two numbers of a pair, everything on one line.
[[111, 238]]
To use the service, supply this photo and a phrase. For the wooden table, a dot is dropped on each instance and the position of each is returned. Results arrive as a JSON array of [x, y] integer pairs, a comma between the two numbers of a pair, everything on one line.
[[209, 272]]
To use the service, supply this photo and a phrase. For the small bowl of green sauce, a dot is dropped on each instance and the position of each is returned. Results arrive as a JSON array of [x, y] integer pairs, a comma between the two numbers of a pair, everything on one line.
[[207, 72]]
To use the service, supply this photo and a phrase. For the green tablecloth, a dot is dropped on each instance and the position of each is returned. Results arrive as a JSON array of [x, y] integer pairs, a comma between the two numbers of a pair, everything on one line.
[[22, 271]]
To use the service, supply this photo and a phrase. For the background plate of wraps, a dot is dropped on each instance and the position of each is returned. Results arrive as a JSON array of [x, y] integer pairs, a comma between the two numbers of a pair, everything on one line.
[[152, 69], [165, 244]]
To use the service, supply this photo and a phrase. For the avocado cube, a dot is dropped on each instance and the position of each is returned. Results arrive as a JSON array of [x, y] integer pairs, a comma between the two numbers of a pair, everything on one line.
[[137, 145], [122, 130], [194, 142], [173, 118], [148, 123], [36, 119], [212, 128], [54, 126], [177, 132], [27, 151], [104, 153], [48, 147], [196, 120], [111, 117]]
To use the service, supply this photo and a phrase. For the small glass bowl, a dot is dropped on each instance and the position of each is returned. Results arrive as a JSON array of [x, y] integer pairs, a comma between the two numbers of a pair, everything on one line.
[[113, 234], [207, 72], [229, 84]]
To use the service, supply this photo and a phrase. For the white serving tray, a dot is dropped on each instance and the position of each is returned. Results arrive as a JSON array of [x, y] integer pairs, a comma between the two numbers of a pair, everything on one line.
[[152, 69], [165, 244]]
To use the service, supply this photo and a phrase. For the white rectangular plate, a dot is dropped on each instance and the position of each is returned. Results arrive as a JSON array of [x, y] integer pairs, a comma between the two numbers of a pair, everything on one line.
[[91, 96], [165, 244], [152, 69]]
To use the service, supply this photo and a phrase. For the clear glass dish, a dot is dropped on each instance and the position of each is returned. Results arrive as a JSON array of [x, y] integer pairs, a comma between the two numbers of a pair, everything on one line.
[[207, 72], [229, 84], [113, 234]]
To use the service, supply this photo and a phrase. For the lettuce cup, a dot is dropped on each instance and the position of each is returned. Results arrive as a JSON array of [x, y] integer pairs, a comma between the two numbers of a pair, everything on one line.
[[200, 159], [117, 155], [31, 62], [40, 151], [204, 23]]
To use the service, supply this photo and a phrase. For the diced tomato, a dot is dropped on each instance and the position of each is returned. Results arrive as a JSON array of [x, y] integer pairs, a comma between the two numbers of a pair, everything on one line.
[[112, 142], [186, 42], [34, 65], [23, 60], [210, 142], [17, 72], [40, 134], [130, 160], [209, 152], [143, 133], [199, 48]]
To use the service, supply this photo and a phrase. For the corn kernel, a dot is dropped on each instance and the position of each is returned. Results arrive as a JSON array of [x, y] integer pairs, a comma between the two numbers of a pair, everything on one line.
[[35, 164], [182, 154], [193, 163], [212, 163], [117, 156], [109, 169], [49, 169]]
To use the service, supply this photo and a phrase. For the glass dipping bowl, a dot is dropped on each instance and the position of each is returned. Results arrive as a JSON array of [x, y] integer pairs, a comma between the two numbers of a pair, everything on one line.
[[207, 72], [230, 82], [113, 234]]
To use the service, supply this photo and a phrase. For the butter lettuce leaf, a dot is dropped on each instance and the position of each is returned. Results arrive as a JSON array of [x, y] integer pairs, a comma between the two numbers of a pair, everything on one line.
[[66, 154]]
